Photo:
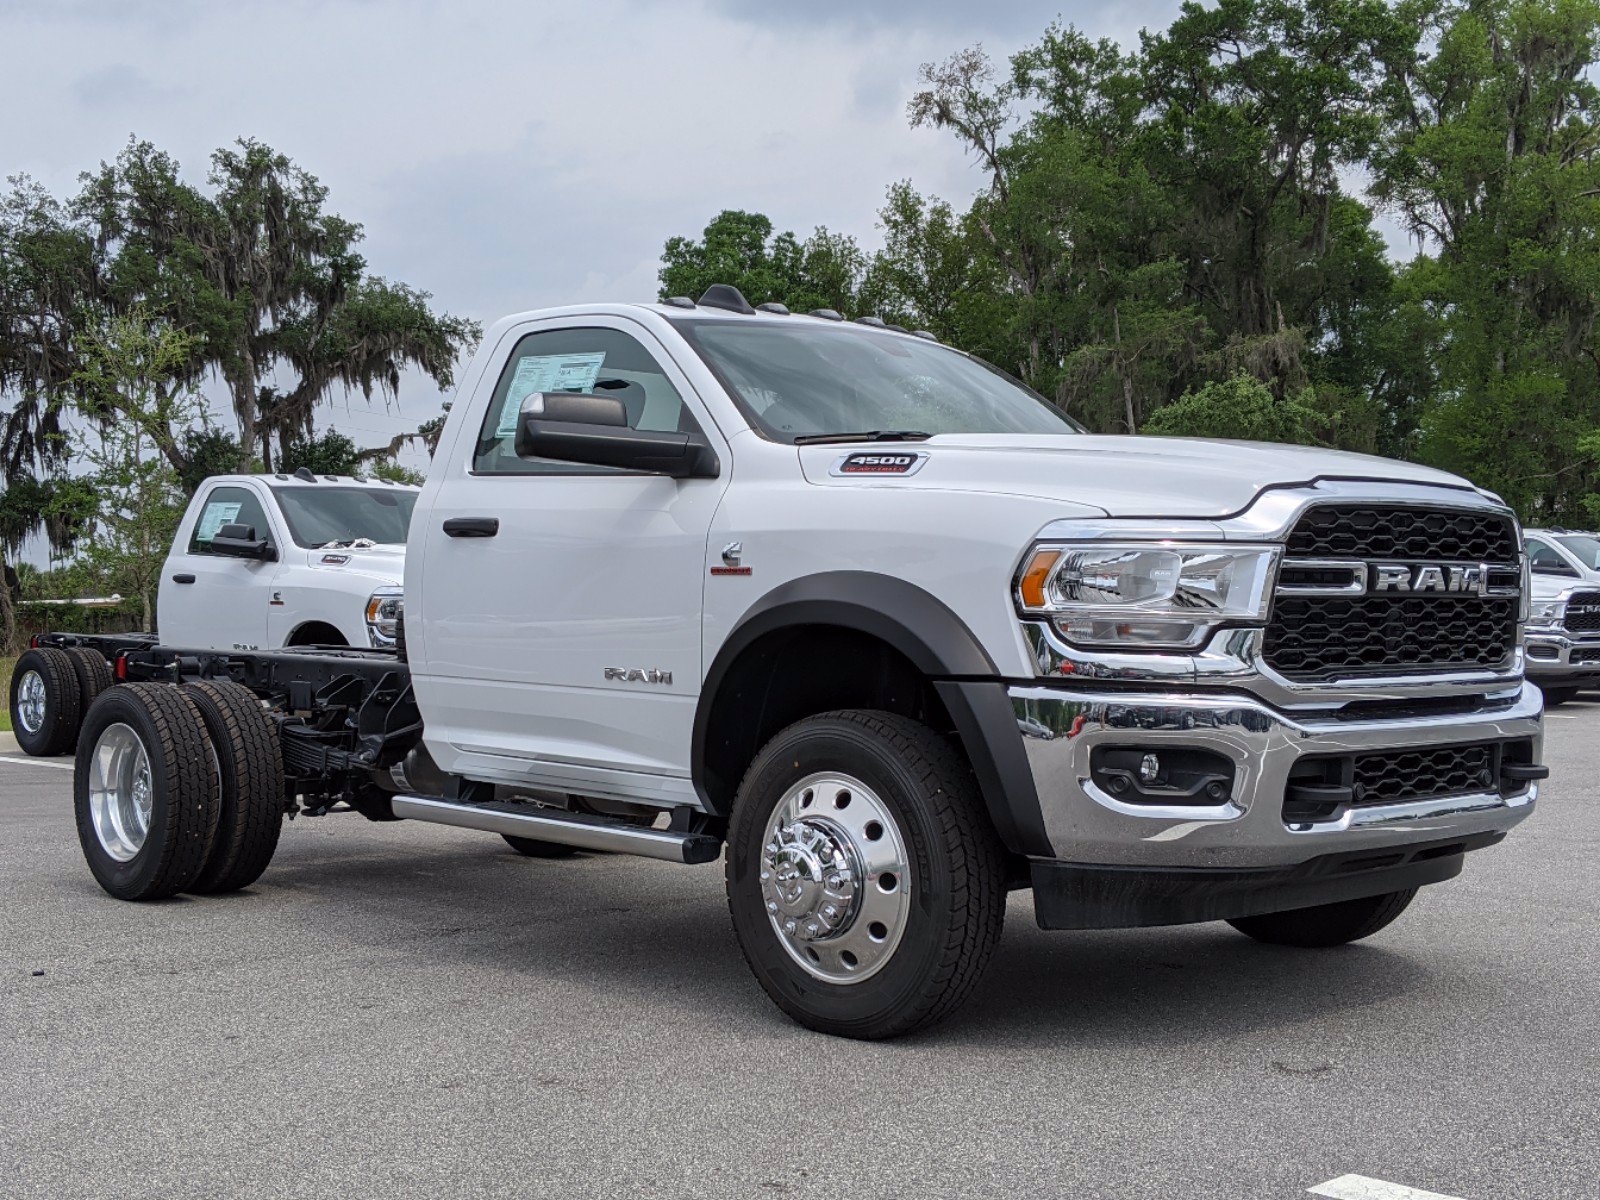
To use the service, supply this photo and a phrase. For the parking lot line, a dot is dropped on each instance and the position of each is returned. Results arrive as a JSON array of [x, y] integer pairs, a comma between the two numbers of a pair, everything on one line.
[[1361, 1187], [37, 762]]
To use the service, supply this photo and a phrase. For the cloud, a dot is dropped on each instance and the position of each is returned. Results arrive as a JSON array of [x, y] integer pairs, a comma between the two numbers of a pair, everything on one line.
[[119, 86], [510, 156]]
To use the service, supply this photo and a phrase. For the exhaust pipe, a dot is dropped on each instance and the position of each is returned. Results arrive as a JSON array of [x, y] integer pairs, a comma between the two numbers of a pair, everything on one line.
[[582, 830]]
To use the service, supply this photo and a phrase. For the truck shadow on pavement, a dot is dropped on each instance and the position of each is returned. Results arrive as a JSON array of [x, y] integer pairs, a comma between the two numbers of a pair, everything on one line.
[[657, 935]]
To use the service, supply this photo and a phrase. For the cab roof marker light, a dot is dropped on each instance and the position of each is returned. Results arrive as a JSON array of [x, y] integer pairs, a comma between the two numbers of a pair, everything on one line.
[[678, 302], [925, 335], [875, 322], [827, 314], [726, 296], [772, 306]]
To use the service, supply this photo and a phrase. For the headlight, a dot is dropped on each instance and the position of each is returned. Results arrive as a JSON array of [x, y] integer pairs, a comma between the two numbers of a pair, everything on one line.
[[1146, 595], [1546, 613], [383, 615]]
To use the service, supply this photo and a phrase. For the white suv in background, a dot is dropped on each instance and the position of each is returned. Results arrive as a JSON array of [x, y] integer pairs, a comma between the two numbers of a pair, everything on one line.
[[1562, 641]]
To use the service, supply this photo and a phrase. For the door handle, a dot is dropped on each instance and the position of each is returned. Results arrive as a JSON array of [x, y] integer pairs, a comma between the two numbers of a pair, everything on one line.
[[472, 527], [183, 579]]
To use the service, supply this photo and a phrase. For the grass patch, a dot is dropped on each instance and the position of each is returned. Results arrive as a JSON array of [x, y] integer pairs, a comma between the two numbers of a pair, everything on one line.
[[6, 664]]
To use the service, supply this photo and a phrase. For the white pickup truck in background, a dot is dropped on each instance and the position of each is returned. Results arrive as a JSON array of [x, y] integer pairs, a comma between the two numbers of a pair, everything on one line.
[[309, 561], [259, 562]]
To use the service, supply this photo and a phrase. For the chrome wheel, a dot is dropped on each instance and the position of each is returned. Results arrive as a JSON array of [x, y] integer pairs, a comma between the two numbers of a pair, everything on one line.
[[120, 792], [835, 878], [30, 701]]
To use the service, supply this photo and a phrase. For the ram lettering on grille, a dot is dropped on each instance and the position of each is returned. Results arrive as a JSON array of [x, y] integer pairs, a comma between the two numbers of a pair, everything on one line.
[[1316, 639]]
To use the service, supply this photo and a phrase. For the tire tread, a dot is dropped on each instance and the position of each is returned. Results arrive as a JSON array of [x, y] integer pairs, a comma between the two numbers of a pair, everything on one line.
[[63, 719], [250, 818], [978, 868], [181, 761]]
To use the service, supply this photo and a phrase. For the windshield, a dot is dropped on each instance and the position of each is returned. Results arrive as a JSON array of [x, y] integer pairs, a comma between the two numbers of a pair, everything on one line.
[[801, 377], [323, 516], [1587, 550]]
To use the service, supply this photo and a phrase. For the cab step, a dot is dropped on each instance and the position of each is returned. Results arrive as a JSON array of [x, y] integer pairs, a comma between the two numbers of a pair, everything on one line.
[[582, 830]]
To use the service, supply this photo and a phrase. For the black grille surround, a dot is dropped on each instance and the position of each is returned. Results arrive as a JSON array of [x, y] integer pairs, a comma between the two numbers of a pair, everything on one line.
[[1583, 612], [1317, 639]]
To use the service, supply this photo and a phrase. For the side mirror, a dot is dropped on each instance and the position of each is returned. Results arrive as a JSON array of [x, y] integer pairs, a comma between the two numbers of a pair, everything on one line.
[[240, 541], [581, 428]]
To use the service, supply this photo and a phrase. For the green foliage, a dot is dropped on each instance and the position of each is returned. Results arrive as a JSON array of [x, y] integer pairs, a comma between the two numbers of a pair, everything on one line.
[[207, 451], [263, 283], [1157, 227], [132, 487], [824, 271], [395, 473], [1490, 161], [1241, 408], [330, 454]]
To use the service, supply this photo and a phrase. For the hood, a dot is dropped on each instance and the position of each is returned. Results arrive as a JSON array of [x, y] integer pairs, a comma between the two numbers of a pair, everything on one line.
[[1124, 476], [380, 565]]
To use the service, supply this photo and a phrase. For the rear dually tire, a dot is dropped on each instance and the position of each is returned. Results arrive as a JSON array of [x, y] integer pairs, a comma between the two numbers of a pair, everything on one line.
[[145, 791], [46, 704]]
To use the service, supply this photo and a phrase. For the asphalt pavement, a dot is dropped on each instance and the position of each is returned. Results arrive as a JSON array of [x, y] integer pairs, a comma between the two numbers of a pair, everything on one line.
[[413, 1011]]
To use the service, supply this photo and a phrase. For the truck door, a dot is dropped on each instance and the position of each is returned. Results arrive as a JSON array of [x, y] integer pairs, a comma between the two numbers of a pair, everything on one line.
[[209, 601], [573, 631]]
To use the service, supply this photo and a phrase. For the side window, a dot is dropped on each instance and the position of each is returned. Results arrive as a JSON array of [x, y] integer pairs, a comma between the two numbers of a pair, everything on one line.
[[1543, 560], [227, 506], [606, 362]]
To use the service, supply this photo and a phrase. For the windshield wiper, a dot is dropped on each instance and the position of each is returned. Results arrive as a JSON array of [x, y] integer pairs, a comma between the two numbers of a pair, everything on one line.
[[871, 435]]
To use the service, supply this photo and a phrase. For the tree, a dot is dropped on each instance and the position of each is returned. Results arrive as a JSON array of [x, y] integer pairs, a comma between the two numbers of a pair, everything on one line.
[[265, 283], [331, 454], [1242, 408], [824, 271], [132, 486], [1490, 161], [1156, 219]]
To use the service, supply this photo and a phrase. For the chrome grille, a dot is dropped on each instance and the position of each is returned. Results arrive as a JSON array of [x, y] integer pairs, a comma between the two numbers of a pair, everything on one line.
[[1316, 639]]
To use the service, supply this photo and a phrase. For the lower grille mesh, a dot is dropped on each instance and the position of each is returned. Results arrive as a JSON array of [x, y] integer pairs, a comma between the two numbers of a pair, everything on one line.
[[1317, 638], [1395, 776]]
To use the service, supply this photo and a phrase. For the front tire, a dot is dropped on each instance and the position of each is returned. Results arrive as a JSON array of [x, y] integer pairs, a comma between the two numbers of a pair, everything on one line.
[[46, 706], [1326, 924], [866, 884], [145, 791]]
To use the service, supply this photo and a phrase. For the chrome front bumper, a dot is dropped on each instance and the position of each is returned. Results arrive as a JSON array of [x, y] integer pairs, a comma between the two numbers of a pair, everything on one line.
[[1548, 656], [1085, 824]]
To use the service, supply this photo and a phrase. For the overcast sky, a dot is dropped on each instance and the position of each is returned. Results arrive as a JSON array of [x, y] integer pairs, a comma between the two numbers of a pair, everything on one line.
[[513, 155]]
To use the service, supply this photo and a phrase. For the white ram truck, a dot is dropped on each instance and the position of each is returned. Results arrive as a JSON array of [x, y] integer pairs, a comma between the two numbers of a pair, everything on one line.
[[886, 632], [258, 562]]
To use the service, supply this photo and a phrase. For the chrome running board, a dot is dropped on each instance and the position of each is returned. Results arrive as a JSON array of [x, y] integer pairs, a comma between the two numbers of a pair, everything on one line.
[[581, 830]]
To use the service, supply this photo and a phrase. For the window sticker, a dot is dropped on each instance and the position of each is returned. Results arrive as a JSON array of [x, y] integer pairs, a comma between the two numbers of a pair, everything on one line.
[[216, 515], [547, 373]]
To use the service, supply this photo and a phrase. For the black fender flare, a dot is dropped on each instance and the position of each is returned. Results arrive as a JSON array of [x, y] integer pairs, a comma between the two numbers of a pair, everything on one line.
[[939, 645]]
